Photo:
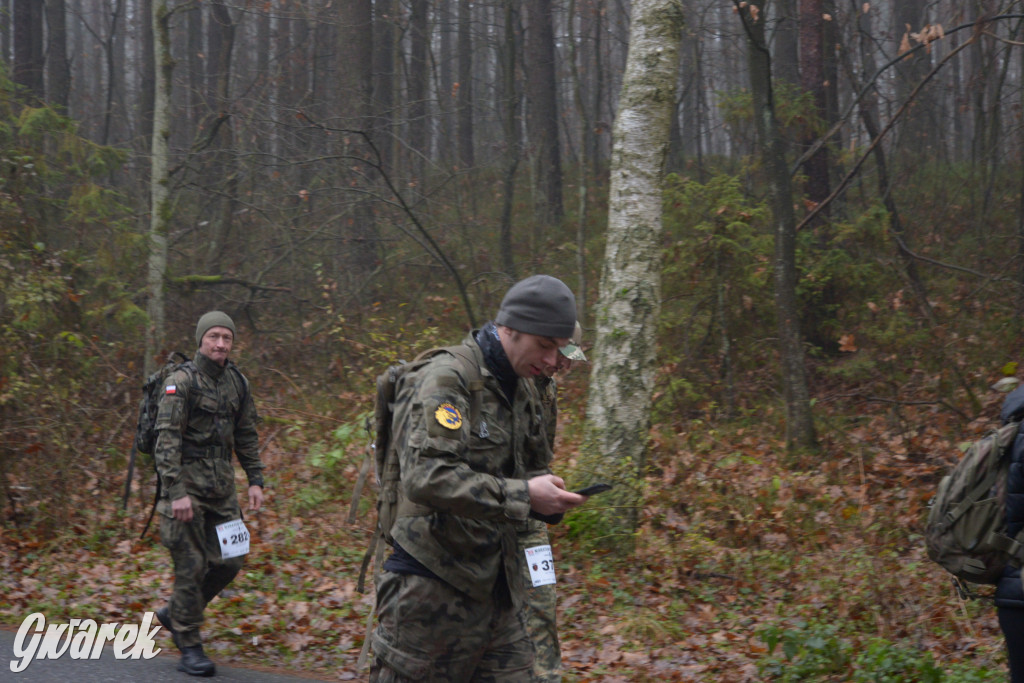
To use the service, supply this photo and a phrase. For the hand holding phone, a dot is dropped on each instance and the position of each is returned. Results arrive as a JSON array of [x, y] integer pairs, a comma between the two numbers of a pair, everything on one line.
[[593, 489]]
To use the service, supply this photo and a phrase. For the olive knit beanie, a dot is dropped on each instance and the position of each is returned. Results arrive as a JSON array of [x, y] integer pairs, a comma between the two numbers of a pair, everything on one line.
[[213, 319], [541, 305]]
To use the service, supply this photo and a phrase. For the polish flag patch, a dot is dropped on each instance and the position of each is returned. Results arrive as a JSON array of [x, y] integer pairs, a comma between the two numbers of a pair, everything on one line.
[[171, 389]]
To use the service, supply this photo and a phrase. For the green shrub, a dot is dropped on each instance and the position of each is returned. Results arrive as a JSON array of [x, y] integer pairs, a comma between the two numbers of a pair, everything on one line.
[[806, 651], [884, 662]]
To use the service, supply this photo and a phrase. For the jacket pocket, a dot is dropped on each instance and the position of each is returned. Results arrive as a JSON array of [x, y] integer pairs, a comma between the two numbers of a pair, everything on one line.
[[210, 477], [489, 448]]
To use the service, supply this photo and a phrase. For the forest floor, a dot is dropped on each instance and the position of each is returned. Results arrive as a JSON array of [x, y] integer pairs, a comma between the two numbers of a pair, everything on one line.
[[750, 565]]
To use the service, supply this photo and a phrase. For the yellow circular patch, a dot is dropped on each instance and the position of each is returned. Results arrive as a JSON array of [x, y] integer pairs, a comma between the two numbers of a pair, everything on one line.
[[448, 416]]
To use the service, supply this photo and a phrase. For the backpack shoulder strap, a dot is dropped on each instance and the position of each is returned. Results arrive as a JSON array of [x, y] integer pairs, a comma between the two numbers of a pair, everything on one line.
[[242, 379], [474, 379], [245, 390], [187, 366]]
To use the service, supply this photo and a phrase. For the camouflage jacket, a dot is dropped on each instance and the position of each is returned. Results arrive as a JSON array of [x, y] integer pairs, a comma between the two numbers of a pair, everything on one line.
[[468, 481], [203, 416]]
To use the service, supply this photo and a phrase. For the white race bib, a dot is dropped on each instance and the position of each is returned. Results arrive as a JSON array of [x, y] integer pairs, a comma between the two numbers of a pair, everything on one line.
[[234, 539], [541, 564]]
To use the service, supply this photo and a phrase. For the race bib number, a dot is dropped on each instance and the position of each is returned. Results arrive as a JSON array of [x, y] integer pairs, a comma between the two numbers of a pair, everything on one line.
[[541, 564], [234, 539]]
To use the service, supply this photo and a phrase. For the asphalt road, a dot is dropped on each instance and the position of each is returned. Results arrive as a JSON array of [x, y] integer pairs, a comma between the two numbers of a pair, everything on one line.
[[107, 669]]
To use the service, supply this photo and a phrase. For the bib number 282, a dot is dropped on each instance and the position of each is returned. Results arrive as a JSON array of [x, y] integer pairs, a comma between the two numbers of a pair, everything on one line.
[[233, 538]]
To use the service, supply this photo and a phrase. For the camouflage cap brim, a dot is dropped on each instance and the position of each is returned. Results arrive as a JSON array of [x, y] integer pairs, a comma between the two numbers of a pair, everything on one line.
[[572, 352]]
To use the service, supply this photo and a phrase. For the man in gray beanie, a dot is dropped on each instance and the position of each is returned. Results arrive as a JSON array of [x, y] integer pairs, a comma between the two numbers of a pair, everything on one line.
[[468, 424], [206, 413]]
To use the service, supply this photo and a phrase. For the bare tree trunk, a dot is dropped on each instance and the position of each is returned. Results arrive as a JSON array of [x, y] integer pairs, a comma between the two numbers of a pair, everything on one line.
[[148, 67], [160, 205], [77, 40], [812, 80], [916, 129], [995, 138], [5, 32], [355, 63], [629, 300], [830, 111], [28, 46], [542, 112], [599, 88], [582, 166], [417, 87], [512, 146], [384, 43], [1020, 208], [817, 167], [223, 168], [195, 79], [446, 68], [799, 422], [116, 22], [787, 41], [354, 83], [692, 103], [58, 69], [464, 98]]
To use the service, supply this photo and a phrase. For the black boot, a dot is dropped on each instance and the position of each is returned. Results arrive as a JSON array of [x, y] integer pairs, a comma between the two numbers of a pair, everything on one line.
[[195, 662], [163, 615]]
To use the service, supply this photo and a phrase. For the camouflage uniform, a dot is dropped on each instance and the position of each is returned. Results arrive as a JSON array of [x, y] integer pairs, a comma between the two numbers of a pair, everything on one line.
[[205, 414], [541, 600], [465, 487]]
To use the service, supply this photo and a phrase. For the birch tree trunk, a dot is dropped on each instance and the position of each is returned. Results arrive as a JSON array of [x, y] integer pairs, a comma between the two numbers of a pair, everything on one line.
[[159, 189], [622, 378]]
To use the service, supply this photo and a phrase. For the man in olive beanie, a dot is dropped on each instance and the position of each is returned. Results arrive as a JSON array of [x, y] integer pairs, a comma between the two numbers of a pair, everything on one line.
[[206, 414], [214, 319]]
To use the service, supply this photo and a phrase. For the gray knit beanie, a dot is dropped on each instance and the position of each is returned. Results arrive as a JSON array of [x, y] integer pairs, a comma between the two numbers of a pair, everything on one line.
[[213, 319], [541, 305]]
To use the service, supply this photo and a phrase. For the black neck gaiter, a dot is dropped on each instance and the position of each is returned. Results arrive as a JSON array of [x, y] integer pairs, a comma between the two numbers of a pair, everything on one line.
[[497, 361]]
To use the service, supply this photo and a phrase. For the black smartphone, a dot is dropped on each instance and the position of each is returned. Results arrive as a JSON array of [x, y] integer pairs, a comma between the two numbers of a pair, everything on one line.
[[593, 489]]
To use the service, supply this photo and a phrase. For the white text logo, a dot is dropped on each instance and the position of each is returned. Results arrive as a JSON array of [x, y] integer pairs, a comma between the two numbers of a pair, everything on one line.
[[81, 639]]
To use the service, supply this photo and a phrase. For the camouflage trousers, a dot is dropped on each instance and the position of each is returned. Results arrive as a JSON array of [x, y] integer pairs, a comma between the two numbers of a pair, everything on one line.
[[199, 571], [540, 611], [429, 631]]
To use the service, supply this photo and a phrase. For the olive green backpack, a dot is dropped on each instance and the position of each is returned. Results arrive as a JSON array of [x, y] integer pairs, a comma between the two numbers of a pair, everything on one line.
[[966, 528], [389, 424]]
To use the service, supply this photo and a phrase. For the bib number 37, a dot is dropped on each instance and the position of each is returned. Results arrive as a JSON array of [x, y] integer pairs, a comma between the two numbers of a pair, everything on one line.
[[233, 538], [541, 564]]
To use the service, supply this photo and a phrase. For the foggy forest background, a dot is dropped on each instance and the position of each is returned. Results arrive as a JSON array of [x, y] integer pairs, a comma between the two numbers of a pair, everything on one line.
[[357, 180]]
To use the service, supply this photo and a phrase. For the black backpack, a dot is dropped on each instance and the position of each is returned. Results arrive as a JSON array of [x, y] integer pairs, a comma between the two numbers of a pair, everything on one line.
[[149, 404], [145, 426]]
